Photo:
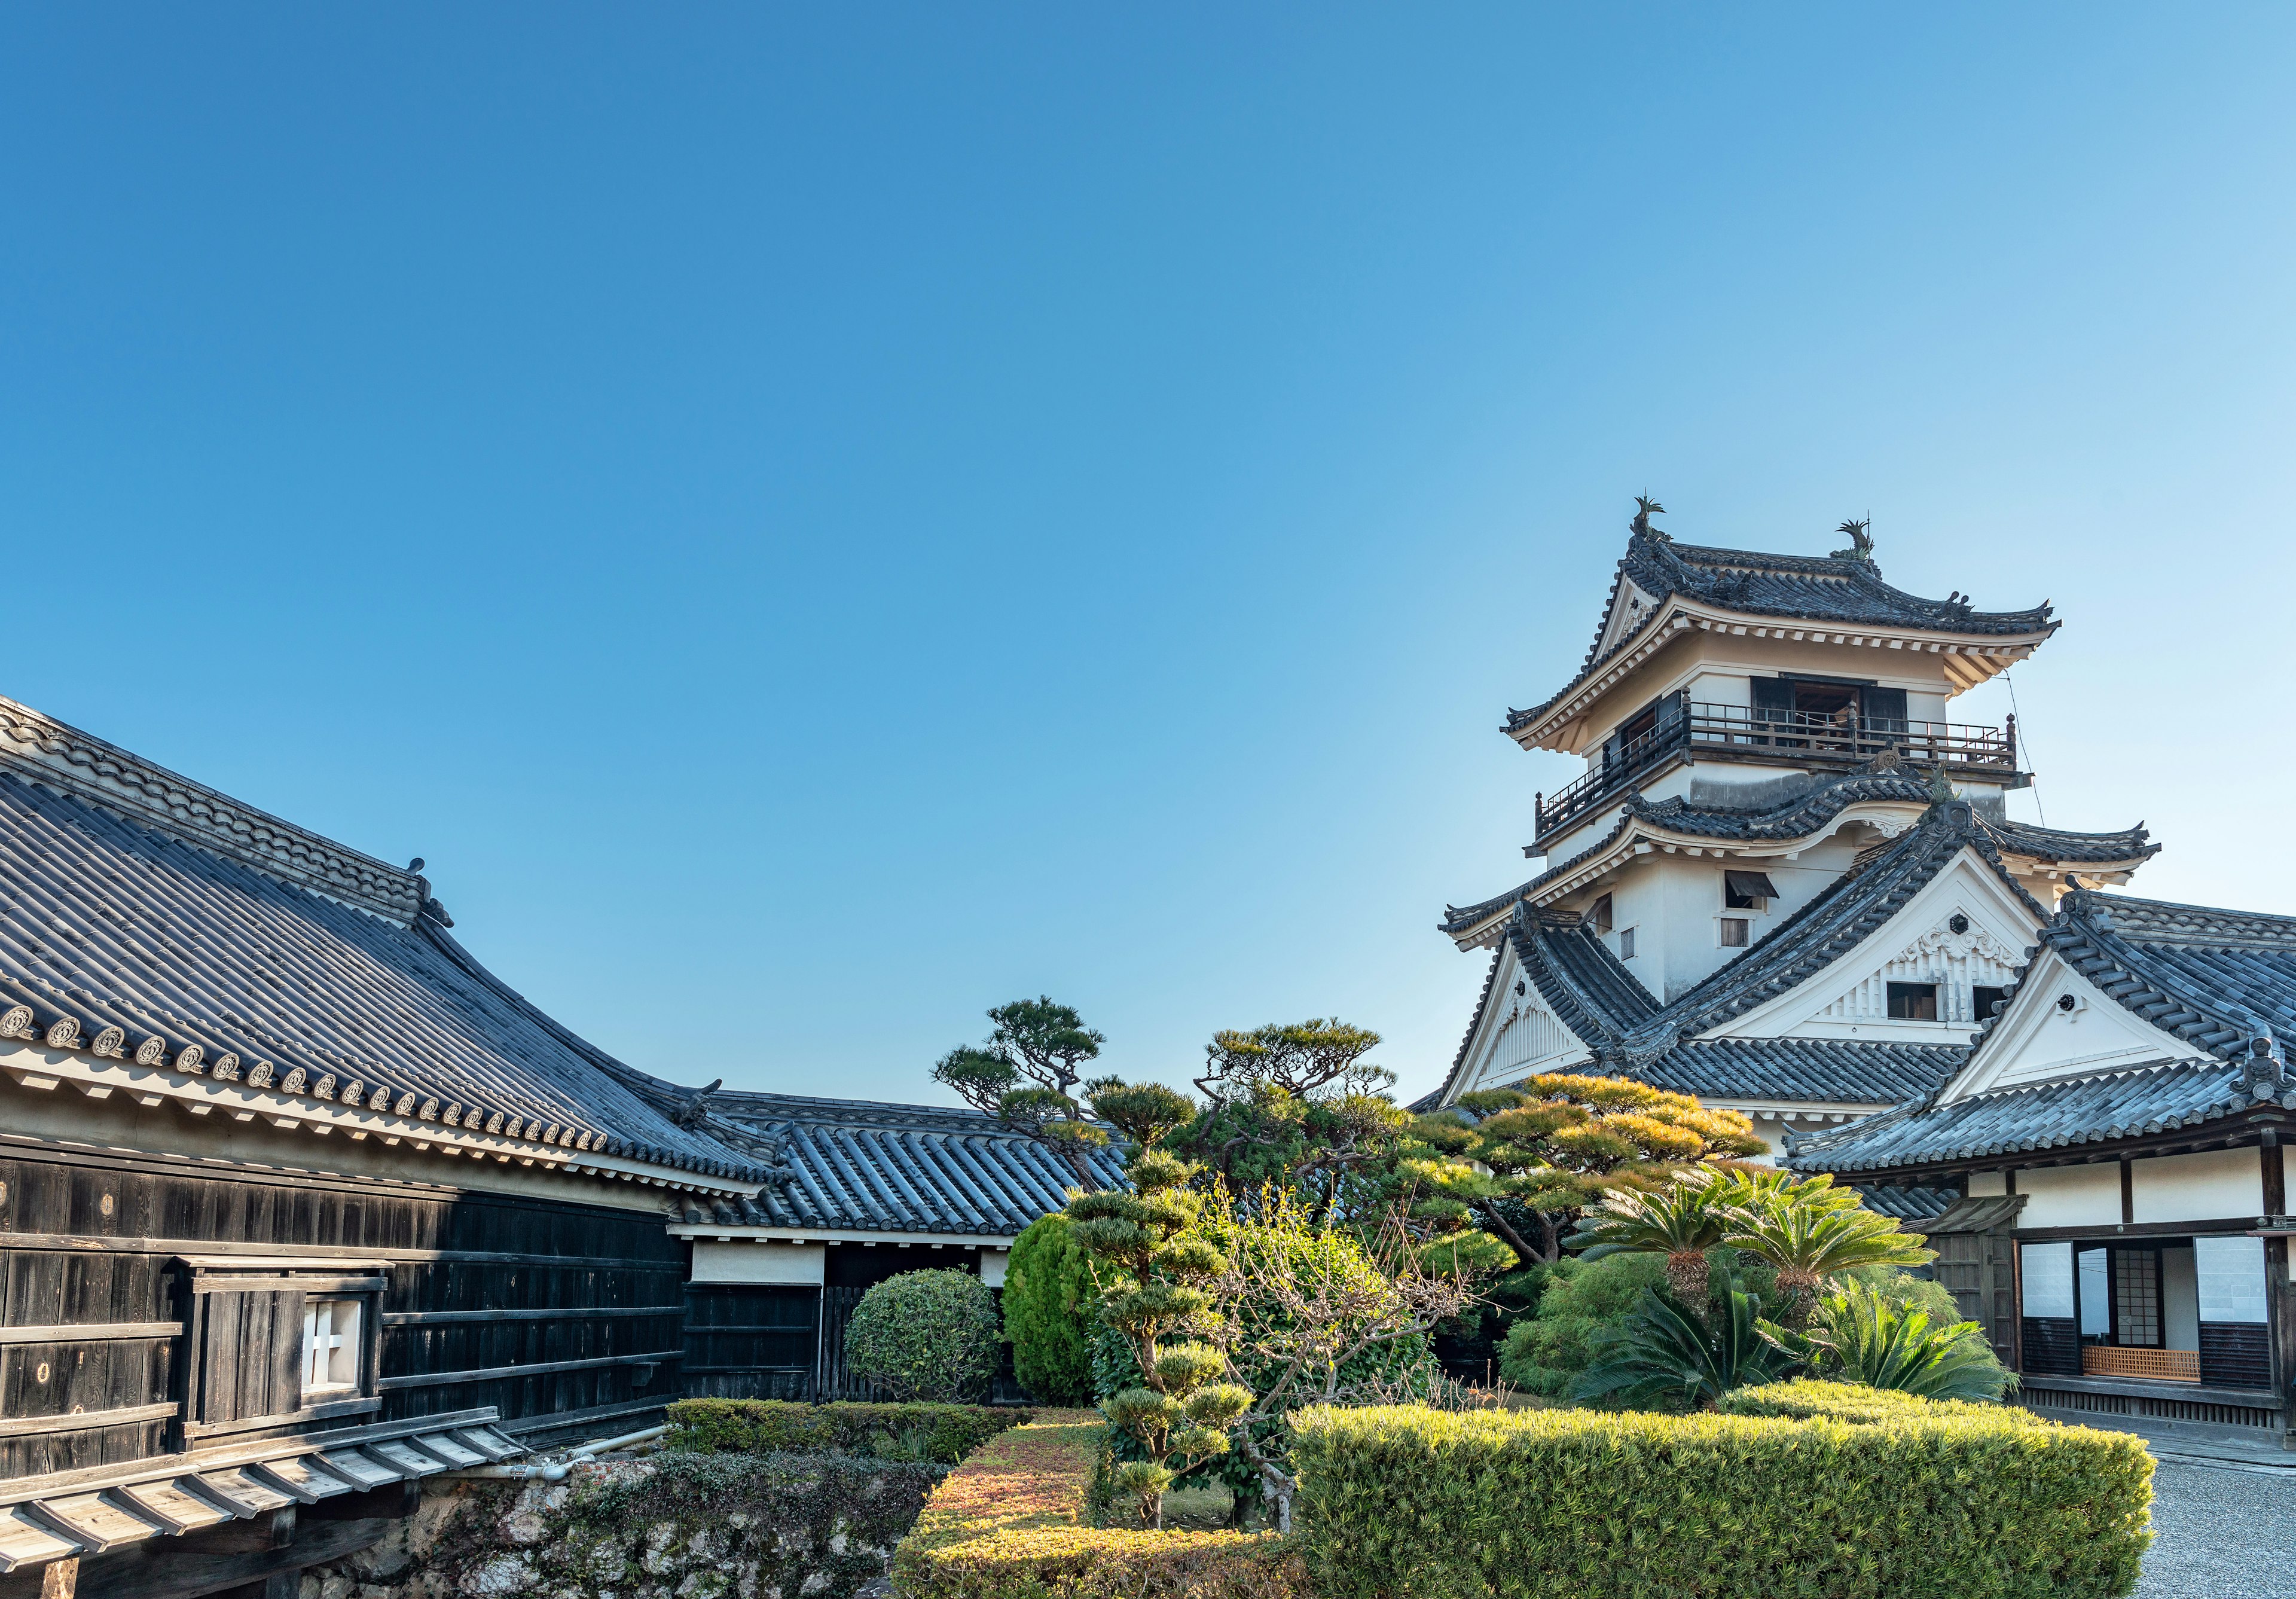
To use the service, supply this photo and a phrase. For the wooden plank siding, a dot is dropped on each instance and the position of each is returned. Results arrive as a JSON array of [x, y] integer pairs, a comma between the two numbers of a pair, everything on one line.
[[88, 1239]]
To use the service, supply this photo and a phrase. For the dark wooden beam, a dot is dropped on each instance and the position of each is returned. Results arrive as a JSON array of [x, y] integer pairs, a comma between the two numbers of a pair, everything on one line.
[[532, 1369], [172, 1569]]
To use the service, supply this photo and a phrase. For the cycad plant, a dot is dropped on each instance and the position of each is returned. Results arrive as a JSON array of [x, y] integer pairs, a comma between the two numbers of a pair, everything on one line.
[[1809, 1235], [1179, 1414], [1859, 1336], [1684, 1220], [1665, 1353]]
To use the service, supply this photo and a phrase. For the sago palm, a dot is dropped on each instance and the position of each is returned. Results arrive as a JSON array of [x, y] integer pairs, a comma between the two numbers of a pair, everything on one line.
[[1861, 1337], [1810, 1242], [1682, 1220], [1667, 1353]]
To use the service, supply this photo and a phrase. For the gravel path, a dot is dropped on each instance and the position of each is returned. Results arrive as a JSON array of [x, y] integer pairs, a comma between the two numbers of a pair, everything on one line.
[[2221, 1533]]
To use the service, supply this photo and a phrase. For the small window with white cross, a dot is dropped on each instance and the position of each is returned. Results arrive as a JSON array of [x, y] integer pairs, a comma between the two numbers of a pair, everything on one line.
[[331, 1348]]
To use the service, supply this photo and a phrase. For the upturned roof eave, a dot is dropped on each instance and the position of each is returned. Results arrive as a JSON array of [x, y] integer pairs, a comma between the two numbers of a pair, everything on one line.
[[1677, 616]]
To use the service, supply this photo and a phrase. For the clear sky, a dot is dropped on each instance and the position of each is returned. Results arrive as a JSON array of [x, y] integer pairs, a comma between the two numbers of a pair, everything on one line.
[[815, 520]]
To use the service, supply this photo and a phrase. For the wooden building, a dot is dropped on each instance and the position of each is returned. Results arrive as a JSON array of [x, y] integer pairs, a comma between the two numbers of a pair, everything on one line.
[[299, 1204]]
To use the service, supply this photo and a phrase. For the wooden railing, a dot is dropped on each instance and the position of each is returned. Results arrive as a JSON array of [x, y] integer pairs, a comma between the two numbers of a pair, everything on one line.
[[1792, 735], [2161, 1366]]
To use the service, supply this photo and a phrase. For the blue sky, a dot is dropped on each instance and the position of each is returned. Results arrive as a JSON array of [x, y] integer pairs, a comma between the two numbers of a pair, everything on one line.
[[818, 520]]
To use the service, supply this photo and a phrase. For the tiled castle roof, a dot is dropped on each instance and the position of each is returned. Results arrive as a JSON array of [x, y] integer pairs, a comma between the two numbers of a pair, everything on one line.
[[128, 945], [1801, 815], [1822, 589], [1628, 1031], [2221, 982], [858, 1166]]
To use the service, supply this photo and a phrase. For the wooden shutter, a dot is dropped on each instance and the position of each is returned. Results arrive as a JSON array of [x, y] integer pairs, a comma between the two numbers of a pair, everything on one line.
[[247, 1361]]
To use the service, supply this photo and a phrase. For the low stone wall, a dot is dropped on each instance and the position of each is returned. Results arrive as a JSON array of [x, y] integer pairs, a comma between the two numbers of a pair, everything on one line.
[[676, 1527]]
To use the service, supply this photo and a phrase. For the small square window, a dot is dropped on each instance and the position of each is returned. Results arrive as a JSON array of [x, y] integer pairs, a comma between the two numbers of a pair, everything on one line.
[[1913, 1001], [1747, 890], [1598, 914], [1626, 943], [1982, 999], [1733, 932], [331, 1348]]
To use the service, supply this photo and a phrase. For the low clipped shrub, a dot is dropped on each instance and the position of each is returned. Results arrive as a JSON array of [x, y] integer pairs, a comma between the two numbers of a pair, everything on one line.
[[1013, 1522], [941, 1433], [1049, 1294], [929, 1335], [1797, 1489]]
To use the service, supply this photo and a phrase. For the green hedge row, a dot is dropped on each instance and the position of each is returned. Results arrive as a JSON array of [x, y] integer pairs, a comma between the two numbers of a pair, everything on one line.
[[945, 1434], [1012, 1522], [1810, 1488]]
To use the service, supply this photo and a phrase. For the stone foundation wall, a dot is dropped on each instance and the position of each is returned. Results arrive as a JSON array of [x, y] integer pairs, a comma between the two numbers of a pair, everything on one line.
[[676, 1527]]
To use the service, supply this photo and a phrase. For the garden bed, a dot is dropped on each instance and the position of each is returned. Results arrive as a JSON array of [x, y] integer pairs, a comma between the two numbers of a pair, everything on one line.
[[1014, 1522]]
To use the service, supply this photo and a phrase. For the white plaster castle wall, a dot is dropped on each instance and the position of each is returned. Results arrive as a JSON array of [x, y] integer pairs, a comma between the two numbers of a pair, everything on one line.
[[2070, 1196], [2207, 1185], [1987, 1185]]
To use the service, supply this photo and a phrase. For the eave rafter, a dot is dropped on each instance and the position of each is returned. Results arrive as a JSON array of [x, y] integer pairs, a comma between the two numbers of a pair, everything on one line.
[[32, 1066], [1968, 659]]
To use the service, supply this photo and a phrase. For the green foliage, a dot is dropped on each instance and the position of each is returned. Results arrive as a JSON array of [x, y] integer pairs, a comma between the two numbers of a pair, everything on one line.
[[1669, 1355], [1049, 1297], [1857, 1336], [929, 1335], [1014, 1522], [1807, 1234], [1552, 1146], [1023, 1075], [1176, 1415], [1682, 1220], [1868, 1496], [945, 1434]]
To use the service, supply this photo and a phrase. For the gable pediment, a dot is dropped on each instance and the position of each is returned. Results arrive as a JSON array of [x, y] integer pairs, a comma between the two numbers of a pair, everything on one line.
[[1963, 930], [2060, 1025], [1518, 1033], [1630, 607]]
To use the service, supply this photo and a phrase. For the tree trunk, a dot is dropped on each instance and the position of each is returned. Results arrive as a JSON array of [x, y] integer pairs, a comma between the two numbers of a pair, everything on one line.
[[1078, 1165], [1801, 1291], [1685, 1275], [1515, 1241]]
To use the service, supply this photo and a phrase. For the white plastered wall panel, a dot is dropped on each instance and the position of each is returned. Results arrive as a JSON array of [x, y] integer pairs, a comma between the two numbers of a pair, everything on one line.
[[1987, 1185], [2207, 1185], [2042, 1039], [1519, 1033], [1848, 999], [793, 1264], [2070, 1196], [993, 1265]]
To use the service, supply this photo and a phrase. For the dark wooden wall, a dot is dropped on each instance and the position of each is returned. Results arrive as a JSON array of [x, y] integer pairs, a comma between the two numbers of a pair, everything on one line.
[[538, 1307]]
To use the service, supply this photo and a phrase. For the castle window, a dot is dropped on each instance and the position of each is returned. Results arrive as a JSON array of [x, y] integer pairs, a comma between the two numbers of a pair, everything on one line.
[[1983, 998], [1747, 890], [1733, 932], [1626, 943], [1913, 1001], [331, 1348], [1598, 914]]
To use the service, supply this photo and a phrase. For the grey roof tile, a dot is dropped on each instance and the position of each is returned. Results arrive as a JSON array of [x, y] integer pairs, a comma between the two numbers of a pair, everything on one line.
[[1805, 814], [1845, 1071], [861, 1166], [109, 923], [2222, 982], [1807, 587]]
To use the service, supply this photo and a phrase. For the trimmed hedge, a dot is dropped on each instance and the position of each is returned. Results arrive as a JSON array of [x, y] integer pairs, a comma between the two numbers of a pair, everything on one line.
[[1012, 1523], [943, 1433], [1838, 1493]]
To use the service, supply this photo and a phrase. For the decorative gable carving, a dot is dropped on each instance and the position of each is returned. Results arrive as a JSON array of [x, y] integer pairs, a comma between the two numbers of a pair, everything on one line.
[[1520, 1035], [1953, 960]]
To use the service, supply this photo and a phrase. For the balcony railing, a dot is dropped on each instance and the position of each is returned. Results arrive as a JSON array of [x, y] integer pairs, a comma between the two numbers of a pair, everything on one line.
[[1787, 735]]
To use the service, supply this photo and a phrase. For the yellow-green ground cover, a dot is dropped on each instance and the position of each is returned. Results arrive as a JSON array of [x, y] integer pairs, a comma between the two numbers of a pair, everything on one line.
[[1013, 1522]]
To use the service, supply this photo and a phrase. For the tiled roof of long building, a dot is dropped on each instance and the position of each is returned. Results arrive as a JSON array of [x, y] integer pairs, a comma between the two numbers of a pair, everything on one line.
[[122, 942], [2050, 1116], [1800, 815], [1827, 589], [2221, 982], [859, 1166]]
